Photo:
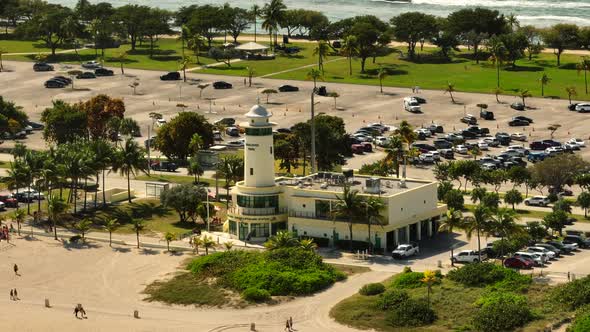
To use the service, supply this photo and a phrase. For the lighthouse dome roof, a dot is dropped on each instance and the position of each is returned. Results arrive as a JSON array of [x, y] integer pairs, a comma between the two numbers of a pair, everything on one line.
[[258, 111]]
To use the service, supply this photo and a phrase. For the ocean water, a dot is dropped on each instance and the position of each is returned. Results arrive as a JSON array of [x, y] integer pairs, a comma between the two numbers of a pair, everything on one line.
[[535, 12]]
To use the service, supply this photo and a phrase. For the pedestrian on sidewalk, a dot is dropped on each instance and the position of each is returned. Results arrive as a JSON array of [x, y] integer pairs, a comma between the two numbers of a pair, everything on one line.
[[12, 294], [16, 270]]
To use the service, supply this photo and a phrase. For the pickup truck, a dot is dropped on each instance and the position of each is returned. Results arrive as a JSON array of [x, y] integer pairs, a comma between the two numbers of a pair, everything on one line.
[[405, 251], [468, 256]]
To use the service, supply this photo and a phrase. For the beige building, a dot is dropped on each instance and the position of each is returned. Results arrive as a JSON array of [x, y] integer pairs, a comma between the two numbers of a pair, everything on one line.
[[264, 205]]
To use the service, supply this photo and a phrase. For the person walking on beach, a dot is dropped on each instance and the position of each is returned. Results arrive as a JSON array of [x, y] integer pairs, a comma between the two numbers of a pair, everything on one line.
[[16, 295], [76, 310], [287, 326], [12, 294], [291, 322], [16, 270]]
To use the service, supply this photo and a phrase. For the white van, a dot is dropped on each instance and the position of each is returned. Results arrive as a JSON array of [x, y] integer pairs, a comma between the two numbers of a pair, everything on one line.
[[412, 105]]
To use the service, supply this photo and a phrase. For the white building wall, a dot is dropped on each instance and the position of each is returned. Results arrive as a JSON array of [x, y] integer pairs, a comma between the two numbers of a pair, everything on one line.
[[259, 161]]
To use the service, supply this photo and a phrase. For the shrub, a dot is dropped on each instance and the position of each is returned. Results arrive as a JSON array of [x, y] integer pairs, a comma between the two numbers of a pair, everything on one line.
[[480, 274], [573, 294], [256, 295], [407, 269], [75, 239], [582, 321], [372, 289], [501, 312], [392, 298], [412, 280], [320, 241], [410, 313]]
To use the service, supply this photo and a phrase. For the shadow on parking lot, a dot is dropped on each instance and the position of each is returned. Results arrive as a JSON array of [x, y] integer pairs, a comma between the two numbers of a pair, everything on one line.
[[440, 243]]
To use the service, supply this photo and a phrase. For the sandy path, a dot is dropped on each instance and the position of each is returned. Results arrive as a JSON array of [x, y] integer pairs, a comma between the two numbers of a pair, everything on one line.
[[108, 283]]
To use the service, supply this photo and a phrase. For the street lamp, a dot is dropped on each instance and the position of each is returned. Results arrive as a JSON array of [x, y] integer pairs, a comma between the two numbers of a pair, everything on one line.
[[313, 103]]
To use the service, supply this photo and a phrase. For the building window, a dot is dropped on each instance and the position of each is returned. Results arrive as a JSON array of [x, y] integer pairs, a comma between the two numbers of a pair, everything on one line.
[[251, 171], [259, 131], [322, 209], [260, 230], [233, 227], [258, 201]]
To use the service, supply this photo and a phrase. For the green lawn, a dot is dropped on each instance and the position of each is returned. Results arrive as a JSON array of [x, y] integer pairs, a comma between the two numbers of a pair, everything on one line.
[[179, 179], [22, 46], [533, 213]]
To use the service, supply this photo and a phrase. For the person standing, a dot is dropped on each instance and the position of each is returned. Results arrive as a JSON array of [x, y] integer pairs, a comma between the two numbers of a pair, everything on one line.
[[16, 295], [76, 311], [291, 322], [16, 270], [12, 294]]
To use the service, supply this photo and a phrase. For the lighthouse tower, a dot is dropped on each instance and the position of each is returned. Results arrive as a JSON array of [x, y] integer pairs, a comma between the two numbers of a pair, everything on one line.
[[258, 152]]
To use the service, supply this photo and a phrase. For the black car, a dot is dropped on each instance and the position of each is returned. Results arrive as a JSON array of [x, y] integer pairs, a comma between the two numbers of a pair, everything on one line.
[[539, 145], [434, 128], [171, 76], [35, 125], [517, 106], [486, 115], [284, 130], [86, 75], [420, 100], [42, 66], [478, 131], [59, 79], [288, 88], [447, 153], [222, 85], [63, 78], [423, 147], [467, 134], [164, 166], [520, 117], [469, 119], [572, 107], [54, 84], [518, 123], [551, 142], [103, 72], [442, 144], [228, 122]]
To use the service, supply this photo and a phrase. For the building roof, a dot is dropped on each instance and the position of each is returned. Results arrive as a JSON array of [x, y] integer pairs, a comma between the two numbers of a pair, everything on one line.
[[258, 111], [251, 47]]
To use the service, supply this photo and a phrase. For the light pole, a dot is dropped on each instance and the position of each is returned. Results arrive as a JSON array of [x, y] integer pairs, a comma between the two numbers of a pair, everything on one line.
[[148, 145], [313, 164]]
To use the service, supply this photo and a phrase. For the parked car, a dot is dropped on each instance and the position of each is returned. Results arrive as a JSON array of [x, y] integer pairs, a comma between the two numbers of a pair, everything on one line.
[[9, 201], [226, 121], [538, 145], [537, 201], [486, 115], [222, 85], [536, 156], [572, 106], [447, 153], [564, 247], [322, 91], [549, 247], [288, 88], [357, 149], [442, 144], [468, 134], [536, 258], [164, 165], [42, 66], [520, 117], [517, 106], [583, 108], [461, 149], [412, 105], [551, 143], [35, 125], [420, 100], [171, 76], [469, 119], [367, 146], [86, 75], [103, 72], [434, 128], [54, 84], [232, 131], [91, 65], [423, 147], [578, 141], [67, 80], [519, 263], [426, 158], [405, 250], [518, 123], [468, 256], [582, 242], [518, 137], [542, 251]]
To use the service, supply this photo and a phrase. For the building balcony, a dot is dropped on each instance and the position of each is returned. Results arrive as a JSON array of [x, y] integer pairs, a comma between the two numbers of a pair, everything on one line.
[[237, 210]]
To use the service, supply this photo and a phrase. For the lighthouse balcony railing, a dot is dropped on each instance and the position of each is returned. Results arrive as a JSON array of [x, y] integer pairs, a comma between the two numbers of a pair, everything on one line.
[[257, 211]]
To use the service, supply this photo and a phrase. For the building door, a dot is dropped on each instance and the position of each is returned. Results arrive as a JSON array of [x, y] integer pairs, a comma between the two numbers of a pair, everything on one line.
[[377, 242], [243, 232]]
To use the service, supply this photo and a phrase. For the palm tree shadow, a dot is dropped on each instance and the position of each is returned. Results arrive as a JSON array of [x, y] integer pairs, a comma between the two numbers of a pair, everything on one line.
[[149, 251], [122, 250]]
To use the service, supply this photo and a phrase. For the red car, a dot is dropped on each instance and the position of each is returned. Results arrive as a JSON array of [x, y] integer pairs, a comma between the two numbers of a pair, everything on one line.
[[9, 201], [518, 263], [358, 149]]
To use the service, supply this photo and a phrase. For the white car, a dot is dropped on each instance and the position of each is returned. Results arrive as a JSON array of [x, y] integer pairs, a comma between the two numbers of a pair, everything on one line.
[[379, 126], [405, 250], [160, 122], [483, 146], [518, 137], [423, 131], [91, 65], [577, 141], [541, 250], [554, 150], [518, 148], [537, 201], [583, 108], [381, 140], [467, 256], [426, 158], [435, 155], [462, 149], [412, 105], [538, 259]]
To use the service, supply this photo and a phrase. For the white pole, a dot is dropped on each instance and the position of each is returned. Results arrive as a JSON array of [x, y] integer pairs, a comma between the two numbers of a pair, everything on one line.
[[208, 222], [148, 150]]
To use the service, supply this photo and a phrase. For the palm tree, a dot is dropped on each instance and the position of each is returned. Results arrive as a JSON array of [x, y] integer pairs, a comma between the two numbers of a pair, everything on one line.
[[394, 152], [251, 73], [183, 65], [282, 239], [571, 92], [381, 75], [202, 86], [208, 243], [347, 207], [129, 160], [255, 12], [134, 86], [512, 21], [504, 224], [273, 14], [195, 43], [196, 143], [334, 95], [55, 209], [103, 155], [314, 75], [195, 168], [450, 88], [18, 216], [497, 55], [497, 92], [83, 226], [232, 168], [169, 237], [308, 244], [138, 226], [544, 81], [453, 220], [476, 223], [268, 92], [349, 49], [584, 65], [553, 128], [524, 93], [408, 137], [197, 242], [121, 57], [228, 245], [111, 225], [373, 207], [321, 50]]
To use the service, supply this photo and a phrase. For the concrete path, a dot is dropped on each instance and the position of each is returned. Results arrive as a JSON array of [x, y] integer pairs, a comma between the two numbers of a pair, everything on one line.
[[298, 68], [217, 64], [47, 52]]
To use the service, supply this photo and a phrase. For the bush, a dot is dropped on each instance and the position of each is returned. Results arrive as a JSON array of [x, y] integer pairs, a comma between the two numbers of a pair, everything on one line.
[[482, 274], [501, 312], [412, 280], [392, 298], [411, 313], [320, 241], [75, 239], [573, 294], [256, 295], [372, 289], [582, 321]]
